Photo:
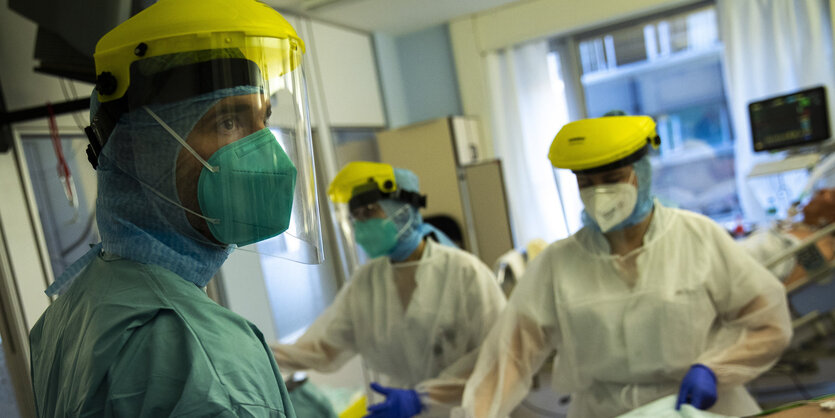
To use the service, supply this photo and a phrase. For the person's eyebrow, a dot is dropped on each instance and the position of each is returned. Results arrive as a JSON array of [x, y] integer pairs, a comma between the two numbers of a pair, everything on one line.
[[235, 108], [246, 108]]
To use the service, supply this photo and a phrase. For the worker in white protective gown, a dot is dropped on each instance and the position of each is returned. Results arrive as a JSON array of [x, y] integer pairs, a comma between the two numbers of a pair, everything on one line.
[[417, 312], [643, 302]]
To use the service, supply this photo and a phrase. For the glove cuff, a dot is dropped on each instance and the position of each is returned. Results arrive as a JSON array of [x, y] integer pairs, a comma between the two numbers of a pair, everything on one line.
[[705, 368], [417, 404]]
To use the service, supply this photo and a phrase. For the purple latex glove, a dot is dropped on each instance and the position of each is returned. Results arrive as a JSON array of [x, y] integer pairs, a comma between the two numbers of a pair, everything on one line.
[[399, 403], [698, 388]]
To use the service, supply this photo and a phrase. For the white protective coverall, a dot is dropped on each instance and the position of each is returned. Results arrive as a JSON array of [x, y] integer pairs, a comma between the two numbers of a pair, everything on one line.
[[625, 335], [430, 345]]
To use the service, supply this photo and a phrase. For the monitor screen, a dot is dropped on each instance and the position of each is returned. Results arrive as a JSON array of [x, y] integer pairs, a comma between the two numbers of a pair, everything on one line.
[[791, 120]]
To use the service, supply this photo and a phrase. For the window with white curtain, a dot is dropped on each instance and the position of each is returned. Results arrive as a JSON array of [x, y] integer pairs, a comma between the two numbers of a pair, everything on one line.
[[668, 67], [674, 67]]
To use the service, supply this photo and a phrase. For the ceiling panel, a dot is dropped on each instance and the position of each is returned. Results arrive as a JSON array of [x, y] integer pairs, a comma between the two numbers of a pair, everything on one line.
[[393, 17]]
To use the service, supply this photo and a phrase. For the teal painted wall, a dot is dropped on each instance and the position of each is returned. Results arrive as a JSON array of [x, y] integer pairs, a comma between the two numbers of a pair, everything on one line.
[[391, 80], [418, 78]]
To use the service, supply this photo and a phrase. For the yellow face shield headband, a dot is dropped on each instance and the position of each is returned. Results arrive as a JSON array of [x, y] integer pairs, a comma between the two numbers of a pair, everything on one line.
[[601, 144]]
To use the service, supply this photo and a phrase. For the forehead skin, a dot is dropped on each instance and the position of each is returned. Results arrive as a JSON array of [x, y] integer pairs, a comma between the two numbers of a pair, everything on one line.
[[249, 112], [618, 175]]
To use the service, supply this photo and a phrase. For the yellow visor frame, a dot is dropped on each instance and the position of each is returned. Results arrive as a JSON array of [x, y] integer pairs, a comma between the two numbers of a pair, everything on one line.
[[271, 56], [172, 27], [359, 173], [592, 143]]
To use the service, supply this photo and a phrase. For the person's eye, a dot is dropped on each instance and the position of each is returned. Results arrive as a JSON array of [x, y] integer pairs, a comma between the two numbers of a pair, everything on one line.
[[268, 116], [228, 123]]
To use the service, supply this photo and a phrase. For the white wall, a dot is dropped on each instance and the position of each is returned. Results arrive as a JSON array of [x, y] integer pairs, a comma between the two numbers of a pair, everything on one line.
[[19, 227], [475, 35], [344, 60]]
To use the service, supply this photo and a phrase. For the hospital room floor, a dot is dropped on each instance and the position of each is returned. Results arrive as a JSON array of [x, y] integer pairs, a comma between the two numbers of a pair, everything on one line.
[[542, 401]]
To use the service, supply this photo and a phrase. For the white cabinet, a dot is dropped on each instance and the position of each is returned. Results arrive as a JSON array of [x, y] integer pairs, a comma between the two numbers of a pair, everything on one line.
[[346, 73], [465, 134]]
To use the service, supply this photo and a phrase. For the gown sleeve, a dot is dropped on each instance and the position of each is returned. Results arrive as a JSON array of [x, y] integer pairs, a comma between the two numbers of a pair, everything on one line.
[[327, 345], [516, 347], [484, 302], [752, 304]]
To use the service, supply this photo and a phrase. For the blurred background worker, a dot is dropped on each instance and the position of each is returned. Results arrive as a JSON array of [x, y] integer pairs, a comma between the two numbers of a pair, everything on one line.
[[417, 312], [643, 302], [187, 170]]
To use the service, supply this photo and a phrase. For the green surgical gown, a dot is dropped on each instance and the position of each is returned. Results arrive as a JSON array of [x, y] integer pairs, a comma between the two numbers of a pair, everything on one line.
[[136, 340], [310, 402]]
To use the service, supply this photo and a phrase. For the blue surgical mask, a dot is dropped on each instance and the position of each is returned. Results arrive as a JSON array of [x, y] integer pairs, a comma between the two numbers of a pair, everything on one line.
[[376, 236], [249, 197], [408, 222]]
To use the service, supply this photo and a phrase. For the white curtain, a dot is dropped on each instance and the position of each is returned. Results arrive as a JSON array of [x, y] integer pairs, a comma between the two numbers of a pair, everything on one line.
[[527, 110], [772, 47]]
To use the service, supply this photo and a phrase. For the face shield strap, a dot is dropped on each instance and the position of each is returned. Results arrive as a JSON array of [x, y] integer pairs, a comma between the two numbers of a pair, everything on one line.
[[365, 198], [180, 139], [368, 193], [168, 86], [169, 200], [623, 162], [415, 199], [190, 80], [101, 126]]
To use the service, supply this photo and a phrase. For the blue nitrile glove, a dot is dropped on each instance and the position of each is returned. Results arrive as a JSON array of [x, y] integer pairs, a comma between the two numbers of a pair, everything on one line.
[[399, 403], [698, 388]]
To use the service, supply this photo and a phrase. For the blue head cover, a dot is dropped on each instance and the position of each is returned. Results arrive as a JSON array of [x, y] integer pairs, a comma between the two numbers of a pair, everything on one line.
[[643, 206], [616, 112], [406, 180], [138, 211], [409, 222]]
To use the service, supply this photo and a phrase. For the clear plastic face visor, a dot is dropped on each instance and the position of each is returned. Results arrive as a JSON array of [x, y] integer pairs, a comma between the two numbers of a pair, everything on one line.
[[289, 122], [238, 124]]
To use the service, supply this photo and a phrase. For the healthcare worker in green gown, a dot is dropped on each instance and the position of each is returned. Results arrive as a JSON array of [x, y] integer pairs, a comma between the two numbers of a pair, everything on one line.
[[201, 139]]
